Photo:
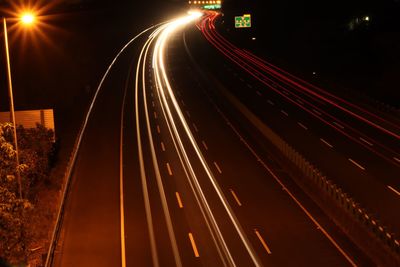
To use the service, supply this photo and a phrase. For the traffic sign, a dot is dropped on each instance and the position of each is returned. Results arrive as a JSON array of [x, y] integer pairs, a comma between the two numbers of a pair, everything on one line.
[[243, 21]]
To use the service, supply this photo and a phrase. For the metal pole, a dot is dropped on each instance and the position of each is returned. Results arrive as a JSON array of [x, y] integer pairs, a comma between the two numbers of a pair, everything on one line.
[[10, 93]]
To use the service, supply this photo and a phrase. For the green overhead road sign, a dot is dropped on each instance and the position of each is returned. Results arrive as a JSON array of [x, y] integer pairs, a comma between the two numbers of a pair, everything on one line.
[[243, 21]]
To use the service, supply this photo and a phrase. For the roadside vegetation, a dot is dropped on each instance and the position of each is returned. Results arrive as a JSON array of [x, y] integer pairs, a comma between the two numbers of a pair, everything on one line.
[[25, 222]]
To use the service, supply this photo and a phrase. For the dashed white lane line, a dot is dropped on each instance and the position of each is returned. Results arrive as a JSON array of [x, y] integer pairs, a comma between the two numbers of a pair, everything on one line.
[[195, 250], [338, 125], [394, 190], [169, 169], [357, 164], [241, 79], [249, 85], [162, 146], [366, 141], [258, 93], [179, 200], [153, 104], [218, 168], [285, 92], [300, 102], [264, 244], [188, 114], [195, 127], [158, 129], [235, 197], [326, 142], [183, 103], [302, 126], [270, 102], [317, 112], [204, 144], [155, 115], [396, 159], [284, 113]]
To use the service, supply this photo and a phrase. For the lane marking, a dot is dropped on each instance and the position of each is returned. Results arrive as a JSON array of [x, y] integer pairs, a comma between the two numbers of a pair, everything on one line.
[[195, 250], [317, 112], [187, 112], [285, 113], [285, 92], [162, 146], [357, 164], [158, 129], [241, 79], [155, 115], [302, 126], [169, 169], [396, 159], [300, 102], [338, 125], [270, 102], [366, 141], [204, 144], [277, 179], [218, 168], [153, 104], [264, 244], [195, 127], [394, 190], [326, 143], [183, 103], [178, 198], [258, 93], [249, 85], [235, 197]]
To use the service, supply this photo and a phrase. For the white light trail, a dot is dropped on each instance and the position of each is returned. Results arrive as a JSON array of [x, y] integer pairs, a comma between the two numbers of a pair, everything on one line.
[[169, 104]]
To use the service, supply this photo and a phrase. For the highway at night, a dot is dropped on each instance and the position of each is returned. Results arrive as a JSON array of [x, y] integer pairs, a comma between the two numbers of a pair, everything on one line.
[[172, 170]]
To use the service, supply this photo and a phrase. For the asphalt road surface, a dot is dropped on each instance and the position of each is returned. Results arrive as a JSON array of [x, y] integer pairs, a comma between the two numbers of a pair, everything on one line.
[[165, 176]]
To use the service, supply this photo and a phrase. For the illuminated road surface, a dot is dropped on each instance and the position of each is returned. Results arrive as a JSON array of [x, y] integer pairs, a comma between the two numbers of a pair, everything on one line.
[[163, 178], [360, 145]]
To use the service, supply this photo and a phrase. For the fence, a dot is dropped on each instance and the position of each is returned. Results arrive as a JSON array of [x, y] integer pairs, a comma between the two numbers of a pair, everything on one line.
[[362, 227]]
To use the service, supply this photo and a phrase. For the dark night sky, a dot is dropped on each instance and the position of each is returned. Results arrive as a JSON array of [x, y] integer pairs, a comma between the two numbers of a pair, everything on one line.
[[85, 34]]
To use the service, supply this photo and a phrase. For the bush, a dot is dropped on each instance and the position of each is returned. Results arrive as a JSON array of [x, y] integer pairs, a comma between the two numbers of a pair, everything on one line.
[[35, 149]]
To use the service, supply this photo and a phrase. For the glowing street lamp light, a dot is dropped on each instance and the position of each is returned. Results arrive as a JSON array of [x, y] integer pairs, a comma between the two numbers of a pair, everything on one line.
[[26, 19]]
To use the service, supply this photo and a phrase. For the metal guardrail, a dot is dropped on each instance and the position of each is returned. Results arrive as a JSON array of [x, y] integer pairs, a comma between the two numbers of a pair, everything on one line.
[[332, 192], [374, 232]]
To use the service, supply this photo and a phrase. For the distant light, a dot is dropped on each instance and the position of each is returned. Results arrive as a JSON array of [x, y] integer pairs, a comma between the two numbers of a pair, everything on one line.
[[366, 18], [314, 73], [27, 18], [253, 38]]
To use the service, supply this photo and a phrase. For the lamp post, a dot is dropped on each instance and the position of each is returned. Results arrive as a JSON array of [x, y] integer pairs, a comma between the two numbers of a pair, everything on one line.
[[26, 19]]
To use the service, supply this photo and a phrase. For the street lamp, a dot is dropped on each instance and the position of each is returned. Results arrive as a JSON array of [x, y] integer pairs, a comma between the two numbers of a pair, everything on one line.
[[27, 19]]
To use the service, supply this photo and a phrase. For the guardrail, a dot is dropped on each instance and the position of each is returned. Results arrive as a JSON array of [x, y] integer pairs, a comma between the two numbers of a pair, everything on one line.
[[362, 227], [365, 230]]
